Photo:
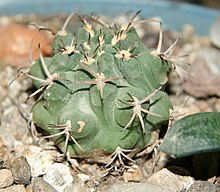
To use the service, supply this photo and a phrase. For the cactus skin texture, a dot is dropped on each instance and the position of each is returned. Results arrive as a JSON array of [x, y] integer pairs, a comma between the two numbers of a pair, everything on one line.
[[101, 73]]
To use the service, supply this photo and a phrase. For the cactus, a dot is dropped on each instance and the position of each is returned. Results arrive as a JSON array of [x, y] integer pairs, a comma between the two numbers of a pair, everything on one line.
[[101, 90]]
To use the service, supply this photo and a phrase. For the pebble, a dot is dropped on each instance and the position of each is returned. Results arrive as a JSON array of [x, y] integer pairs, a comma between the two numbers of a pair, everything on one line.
[[171, 181], [16, 41], [14, 188], [21, 170], [10, 121], [138, 187], [40, 185], [40, 160], [76, 188], [133, 174], [205, 186], [2, 148], [6, 178], [83, 177], [59, 176], [4, 158], [214, 33], [205, 70]]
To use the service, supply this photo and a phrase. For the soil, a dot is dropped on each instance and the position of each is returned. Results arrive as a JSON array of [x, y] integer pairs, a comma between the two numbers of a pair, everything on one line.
[[187, 97]]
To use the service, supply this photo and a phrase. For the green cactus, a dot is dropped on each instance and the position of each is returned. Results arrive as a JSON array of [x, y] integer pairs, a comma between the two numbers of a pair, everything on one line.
[[102, 89]]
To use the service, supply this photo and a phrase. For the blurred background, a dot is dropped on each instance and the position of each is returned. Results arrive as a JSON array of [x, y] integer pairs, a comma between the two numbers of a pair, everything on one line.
[[207, 3], [176, 13]]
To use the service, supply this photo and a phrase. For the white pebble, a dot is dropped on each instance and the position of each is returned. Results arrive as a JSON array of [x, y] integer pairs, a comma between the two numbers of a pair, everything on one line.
[[6, 178]]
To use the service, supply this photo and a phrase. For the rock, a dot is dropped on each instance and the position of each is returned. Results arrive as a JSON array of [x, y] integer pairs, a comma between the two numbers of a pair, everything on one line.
[[171, 181], [21, 170], [205, 72], [29, 187], [40, 160], [205, 186], [11, 119], [138, 187], [2, 149], [6, 178], [78, 187], [14, 188], [133, 174], [83, 177], [39, 185], [214, 33], [4, 154], [17, 40], [59, 176]]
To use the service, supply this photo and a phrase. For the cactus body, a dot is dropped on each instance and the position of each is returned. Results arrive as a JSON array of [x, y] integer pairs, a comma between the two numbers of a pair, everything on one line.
[[102, 73]]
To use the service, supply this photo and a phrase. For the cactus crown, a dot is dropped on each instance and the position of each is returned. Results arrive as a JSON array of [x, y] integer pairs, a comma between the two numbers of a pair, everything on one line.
[[101, 89]]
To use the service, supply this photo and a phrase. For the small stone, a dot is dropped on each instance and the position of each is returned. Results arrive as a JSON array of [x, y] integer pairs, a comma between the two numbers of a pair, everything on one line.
[[14, 188], [205, 70], [29, 187], [40, 185], [39, 159], [83, 177], [133, 174], [206, 186], [4, 154], [2, 148], [59, 176], [15, 53], [21, 170], [170, 180], [77, 187], [214, 33], [6, 178], [138, 187]]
